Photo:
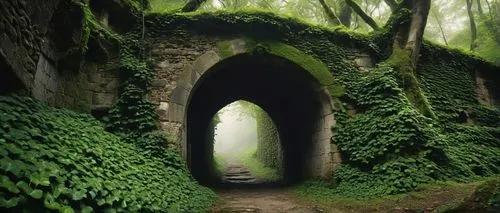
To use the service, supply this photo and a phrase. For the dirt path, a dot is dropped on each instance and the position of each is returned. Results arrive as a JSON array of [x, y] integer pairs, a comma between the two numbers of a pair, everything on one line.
[[276, 200], [252, 196], [259, 200]]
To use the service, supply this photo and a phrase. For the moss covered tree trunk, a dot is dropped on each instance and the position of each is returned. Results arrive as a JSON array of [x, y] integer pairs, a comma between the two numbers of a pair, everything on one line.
[[406, 50]]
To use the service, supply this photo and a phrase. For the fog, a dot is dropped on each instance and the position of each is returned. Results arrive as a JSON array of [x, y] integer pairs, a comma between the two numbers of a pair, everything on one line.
[[236, 132]]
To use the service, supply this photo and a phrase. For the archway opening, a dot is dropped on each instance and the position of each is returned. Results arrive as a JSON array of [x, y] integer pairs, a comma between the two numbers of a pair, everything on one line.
[[246, 148], [294, 100]]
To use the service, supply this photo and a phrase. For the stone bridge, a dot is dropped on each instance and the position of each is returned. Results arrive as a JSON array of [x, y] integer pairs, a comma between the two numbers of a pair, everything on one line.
[[196, 75], [199, 75]]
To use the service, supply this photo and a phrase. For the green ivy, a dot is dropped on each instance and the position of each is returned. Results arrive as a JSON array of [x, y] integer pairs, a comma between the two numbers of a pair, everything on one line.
[[62, 161], [268, 144], [133, 112]]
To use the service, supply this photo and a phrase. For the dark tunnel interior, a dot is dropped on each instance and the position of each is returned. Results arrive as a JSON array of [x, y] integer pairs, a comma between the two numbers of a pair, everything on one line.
[[284, 90], [9, 82]]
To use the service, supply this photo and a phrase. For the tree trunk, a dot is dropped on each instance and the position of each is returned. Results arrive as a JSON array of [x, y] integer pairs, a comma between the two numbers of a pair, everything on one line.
[[410, 36], [345, 15], [489, 7], [480, 7], [192, 5], [473, 29], [406, 50], [362, 14], [332, 18]]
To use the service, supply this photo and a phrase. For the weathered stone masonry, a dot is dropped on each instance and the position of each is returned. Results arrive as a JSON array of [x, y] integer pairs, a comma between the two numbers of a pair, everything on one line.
[[176, 56], [37, 44]]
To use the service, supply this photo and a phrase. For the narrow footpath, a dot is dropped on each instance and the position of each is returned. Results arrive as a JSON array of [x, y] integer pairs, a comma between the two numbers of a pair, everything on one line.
[[247, 194]]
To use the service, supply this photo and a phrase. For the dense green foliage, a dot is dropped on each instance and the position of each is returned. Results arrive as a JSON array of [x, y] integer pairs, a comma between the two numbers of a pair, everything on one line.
[[63, 161], [268, 145], [390, 147], [133, 112]]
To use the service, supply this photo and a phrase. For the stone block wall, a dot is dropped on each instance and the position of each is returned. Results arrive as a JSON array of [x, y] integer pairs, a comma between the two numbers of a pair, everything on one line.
[[34, 54], [95, 87], [23, 25], [172, 55]]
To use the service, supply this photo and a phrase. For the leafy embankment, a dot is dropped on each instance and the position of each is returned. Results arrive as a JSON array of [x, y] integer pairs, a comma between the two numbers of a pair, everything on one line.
[[389, 147], [59, 160]]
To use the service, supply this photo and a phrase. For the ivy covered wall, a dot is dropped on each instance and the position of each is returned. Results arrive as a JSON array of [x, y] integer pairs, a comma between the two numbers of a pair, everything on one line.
[[268, 145]]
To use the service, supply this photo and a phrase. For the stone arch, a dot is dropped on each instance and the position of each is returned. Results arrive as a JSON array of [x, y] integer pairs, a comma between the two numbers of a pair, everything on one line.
[[322, 155]]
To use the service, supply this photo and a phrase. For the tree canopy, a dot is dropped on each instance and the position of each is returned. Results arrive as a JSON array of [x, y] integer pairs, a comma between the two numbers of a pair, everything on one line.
[[468, 24]]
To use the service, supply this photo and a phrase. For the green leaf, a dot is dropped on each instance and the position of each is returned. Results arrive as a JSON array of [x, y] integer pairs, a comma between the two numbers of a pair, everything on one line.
[[5, 182], [10, 202], [67, 209], [101, 201], [110, 210], [78, 195], [37, 194], [9, 165], [50, 203], [60, 189], [39, 179], [24, 186], [87, 209]]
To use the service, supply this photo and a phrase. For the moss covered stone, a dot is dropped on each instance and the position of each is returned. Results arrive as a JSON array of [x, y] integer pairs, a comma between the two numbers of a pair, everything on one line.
[[313, 66]]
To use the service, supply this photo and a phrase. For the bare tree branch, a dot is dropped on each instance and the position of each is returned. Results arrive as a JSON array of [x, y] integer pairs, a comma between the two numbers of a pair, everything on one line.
[[192, 5], [332, 18], [369, 20]]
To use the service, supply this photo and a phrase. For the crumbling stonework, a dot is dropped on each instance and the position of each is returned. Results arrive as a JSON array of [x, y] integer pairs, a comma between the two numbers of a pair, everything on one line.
[[39, 44], [484, 92], [23, 25]]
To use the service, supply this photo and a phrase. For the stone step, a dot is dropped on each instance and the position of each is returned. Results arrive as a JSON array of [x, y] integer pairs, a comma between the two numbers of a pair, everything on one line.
[[240, 181], [240, 178], [238, 173]]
